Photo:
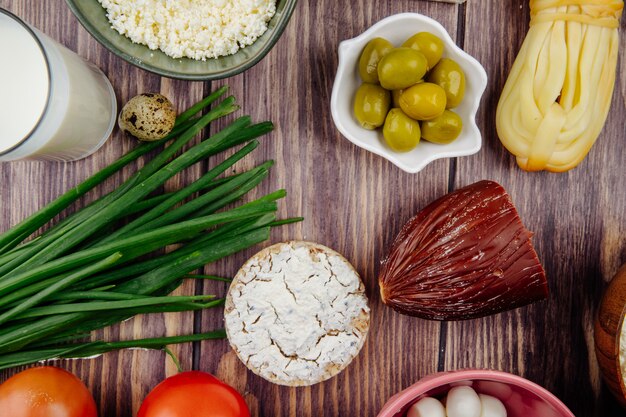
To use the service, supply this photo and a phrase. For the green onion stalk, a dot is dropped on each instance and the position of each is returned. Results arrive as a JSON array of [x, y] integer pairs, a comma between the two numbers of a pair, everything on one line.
[[106, 262]]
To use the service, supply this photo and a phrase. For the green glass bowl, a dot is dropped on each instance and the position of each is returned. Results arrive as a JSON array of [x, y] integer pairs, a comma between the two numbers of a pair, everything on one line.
[[93, 17]]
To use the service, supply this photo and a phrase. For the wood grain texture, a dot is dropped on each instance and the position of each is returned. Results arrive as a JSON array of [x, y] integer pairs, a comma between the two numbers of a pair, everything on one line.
[[356, 203]]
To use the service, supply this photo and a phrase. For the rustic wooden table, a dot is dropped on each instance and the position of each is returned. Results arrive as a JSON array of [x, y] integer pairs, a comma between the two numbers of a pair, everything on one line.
[[356, 202]]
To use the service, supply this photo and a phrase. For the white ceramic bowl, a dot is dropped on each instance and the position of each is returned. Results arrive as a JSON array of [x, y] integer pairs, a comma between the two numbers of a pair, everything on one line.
[[397, 29]]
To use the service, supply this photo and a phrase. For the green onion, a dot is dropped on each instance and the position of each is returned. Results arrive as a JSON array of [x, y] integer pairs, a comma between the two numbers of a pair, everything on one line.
[[175, 198], [134, 246], [94, 295], [59, 285], [14, 337], [97, 219], [110, 305], [84, 350], [91, 269], [12, 237], [209, 277]]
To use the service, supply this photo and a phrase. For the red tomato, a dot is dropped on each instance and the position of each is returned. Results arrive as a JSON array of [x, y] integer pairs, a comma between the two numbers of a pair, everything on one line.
[[193, 394], [45, 392]]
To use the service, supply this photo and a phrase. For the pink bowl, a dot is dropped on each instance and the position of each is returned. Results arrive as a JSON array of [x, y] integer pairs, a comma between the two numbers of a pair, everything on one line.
[[521, 397]]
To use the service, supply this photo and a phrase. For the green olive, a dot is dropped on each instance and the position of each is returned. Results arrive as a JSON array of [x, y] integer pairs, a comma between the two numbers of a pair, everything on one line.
[[400, 131], [443, 129], [372, 53], [371, 104], [395, 98], [401, 68], [428, 44], [449, 76], [423, 101]]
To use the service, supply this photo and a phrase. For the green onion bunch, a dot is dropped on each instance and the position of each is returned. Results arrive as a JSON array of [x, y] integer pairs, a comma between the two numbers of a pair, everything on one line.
[[90, 270]]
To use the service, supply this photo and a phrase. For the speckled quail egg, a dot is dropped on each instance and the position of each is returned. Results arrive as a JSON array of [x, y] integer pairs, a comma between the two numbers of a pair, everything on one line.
[[147, 116]]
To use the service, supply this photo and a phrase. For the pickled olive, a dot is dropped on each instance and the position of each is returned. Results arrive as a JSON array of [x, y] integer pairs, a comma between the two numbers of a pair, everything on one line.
[[371, 104], [395, 98], [372, 53], [443, 129], [428, 44], [448, 75], [423, 101], [401, 133], [401, 68]]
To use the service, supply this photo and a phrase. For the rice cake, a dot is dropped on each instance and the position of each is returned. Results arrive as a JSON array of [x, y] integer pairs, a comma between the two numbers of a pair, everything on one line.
[[296, 313]]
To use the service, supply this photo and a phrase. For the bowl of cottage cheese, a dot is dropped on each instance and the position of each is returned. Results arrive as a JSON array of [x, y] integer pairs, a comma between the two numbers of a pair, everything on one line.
[[610, 336], [186, 39]]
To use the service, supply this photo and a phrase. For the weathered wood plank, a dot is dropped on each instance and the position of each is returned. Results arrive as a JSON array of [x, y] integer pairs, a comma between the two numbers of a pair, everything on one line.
[[355, 203]]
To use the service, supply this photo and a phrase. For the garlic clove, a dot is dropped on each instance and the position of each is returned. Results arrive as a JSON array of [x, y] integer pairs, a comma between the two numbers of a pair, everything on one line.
[[491, 406], [463, 402], [427, 407]]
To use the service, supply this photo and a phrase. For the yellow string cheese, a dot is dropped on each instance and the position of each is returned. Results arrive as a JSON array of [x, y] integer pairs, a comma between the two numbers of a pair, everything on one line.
[[557, 97]]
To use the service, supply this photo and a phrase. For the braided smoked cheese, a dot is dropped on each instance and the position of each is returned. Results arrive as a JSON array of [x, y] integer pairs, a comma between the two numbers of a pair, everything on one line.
[[557, 97]]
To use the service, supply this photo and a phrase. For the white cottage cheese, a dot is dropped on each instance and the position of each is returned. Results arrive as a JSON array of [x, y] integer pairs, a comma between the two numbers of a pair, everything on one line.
[[197, 29]]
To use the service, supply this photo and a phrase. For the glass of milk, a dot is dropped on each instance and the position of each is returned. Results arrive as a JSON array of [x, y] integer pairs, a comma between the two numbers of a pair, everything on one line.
[[54, 105]]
